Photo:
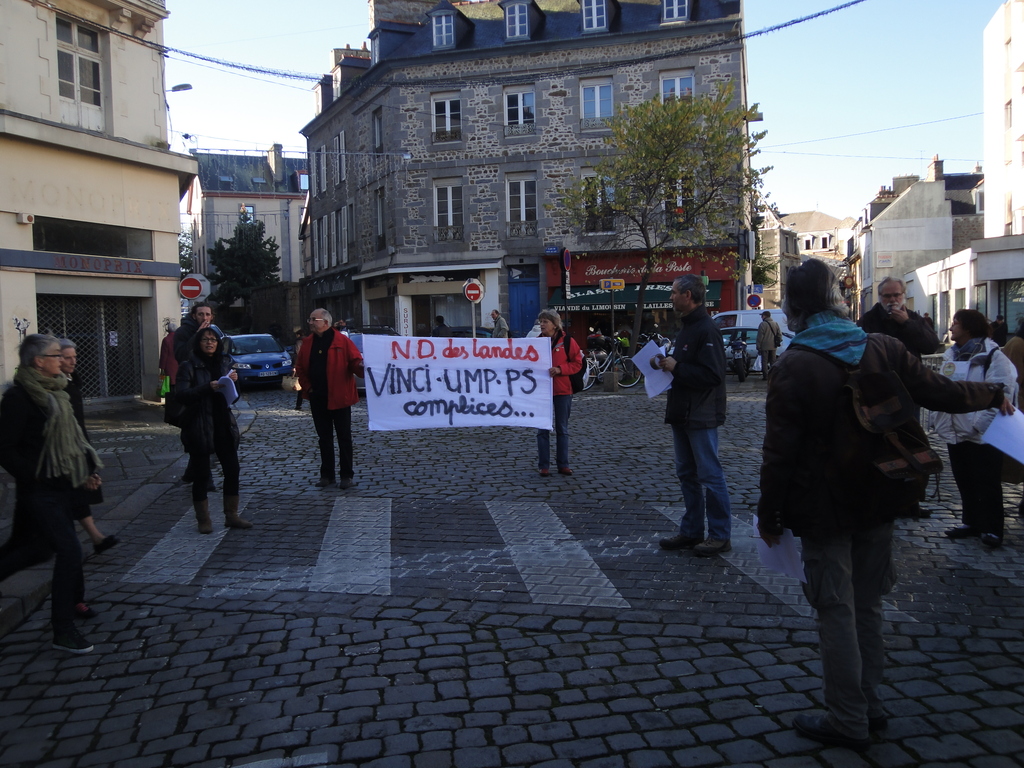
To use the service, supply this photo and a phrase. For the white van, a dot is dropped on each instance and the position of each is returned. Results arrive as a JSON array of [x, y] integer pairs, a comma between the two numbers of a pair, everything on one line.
[[748, 318]]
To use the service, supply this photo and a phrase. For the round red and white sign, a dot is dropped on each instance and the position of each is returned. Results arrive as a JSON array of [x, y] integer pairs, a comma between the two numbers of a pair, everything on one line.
[[473, 291], [753, 301], [194, 286]]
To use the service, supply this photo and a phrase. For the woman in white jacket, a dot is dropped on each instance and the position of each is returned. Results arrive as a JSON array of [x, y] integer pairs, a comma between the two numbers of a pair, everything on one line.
[[976, 466]]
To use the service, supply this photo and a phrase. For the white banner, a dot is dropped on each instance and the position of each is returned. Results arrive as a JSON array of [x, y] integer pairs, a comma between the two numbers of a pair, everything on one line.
[[422, 383]]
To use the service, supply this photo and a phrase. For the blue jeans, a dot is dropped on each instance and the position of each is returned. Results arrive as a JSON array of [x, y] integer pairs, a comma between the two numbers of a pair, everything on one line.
[[562, 407], [703, 483], [847, 575]]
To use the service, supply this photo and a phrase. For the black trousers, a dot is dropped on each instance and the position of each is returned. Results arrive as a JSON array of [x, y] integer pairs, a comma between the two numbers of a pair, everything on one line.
[[227, 454], [329, 424], [977, 469]]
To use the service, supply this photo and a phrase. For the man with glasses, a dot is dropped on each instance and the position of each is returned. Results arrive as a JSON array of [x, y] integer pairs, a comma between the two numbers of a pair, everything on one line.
[[327, 364], [891, 317]]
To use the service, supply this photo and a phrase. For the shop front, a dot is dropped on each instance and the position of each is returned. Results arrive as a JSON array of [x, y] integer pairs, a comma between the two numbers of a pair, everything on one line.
[[590, 308], [338, 294]]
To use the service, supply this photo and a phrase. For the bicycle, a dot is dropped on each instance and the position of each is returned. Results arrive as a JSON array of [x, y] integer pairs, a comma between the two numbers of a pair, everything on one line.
[[629, 375]]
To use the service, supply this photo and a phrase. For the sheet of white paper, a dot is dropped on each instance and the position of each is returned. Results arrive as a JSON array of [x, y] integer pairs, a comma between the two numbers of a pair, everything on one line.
[[656, 380], [227, 388], [1007, 434], [783, 557]]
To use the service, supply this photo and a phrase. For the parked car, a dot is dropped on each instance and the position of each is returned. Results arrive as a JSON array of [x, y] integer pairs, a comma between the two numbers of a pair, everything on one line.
[[259, 358], [465, 332], [746, 318]]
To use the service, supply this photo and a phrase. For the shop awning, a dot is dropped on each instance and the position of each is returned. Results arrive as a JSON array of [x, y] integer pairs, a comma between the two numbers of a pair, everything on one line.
[[589, 298]]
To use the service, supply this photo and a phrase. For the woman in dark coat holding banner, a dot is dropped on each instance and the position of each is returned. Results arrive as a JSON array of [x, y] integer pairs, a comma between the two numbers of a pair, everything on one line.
[[208, 426], [565, 361]]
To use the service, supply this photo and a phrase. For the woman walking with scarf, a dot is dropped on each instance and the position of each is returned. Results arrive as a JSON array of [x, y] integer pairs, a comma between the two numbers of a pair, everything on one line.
[[43, 447]]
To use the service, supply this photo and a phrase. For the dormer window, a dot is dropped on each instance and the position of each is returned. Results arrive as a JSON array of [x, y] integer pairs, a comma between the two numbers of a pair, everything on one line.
[[444, 31], [675, 10], [595, 15], [517, 21]]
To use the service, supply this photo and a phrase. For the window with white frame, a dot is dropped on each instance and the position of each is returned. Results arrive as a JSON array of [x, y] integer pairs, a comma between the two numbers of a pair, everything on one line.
[[447, 109], [312, 172], [522, 206], [674, 10], [596, 97], [343, 235], [595, 15], [350, 223], [79, 75], [314, 243], [600, 217], [519, 112], [517, 21], [332, 234], [444, 30], [342, 166], [321, 171], [448, 221], [379, 218], [323, 243], [378, 130], [676, 85], [335, 156], [679, 206]]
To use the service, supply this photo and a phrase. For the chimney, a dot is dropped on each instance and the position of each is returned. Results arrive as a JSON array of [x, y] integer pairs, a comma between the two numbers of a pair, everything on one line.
[[901, 184], [324, 93], [935, 169], [275, 159]]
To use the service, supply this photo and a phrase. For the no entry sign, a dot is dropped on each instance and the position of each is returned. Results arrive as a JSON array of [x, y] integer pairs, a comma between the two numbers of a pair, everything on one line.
[[473, 290], [194, 286]]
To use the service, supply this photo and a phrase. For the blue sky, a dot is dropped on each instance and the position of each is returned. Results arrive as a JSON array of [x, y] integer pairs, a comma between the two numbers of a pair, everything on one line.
[[867, 69]]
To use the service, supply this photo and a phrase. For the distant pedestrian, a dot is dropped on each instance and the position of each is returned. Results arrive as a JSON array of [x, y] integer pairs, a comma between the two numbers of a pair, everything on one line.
[[928, 319], [999, 331], [566, 359], [209, 427], [440, 328], [840, 504], [327, 365], [769, 339], [43, 447], [695, 410], [168, 362], [341, 326], [891, 317], [976, 465], [500, 330]]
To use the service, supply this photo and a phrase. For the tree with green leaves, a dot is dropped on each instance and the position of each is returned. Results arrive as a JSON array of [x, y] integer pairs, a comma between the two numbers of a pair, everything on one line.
[[185, 253], [244, 261], [677, 176]]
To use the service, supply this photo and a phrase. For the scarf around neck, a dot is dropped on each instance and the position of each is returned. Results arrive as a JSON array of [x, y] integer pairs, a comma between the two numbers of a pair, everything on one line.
[[835, 336], [66, 452]]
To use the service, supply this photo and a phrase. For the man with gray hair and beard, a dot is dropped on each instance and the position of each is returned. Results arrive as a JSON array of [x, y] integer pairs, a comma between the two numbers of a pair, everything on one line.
[[891, 317]]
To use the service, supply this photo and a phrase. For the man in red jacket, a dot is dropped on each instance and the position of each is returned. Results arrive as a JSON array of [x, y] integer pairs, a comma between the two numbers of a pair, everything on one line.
[[327, 365]]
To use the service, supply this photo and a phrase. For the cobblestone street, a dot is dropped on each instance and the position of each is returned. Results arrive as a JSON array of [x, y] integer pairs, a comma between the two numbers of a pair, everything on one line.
[[454, 608]]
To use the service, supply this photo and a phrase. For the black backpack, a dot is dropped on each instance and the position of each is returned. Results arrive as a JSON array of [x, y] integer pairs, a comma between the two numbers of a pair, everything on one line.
[[876, 422], [576, 379]]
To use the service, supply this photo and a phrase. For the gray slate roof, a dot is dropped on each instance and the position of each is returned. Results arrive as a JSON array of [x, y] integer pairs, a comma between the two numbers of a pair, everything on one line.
[[240, 173]]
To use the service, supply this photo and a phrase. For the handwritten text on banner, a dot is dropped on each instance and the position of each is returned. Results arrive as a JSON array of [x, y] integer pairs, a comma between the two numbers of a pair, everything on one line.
[[418, 383]]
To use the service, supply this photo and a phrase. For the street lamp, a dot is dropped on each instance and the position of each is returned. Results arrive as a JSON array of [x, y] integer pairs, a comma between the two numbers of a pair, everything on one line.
[[180, 87]]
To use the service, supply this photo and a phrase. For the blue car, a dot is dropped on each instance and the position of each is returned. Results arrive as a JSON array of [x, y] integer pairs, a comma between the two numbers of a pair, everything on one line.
[[259, 359]]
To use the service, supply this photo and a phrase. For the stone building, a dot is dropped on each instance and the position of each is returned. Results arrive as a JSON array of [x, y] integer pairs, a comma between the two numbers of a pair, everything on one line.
[[440, 155], [89, 198]]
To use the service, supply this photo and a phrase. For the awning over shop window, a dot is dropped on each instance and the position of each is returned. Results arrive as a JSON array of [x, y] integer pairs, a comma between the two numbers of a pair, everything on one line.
[[589, 298]]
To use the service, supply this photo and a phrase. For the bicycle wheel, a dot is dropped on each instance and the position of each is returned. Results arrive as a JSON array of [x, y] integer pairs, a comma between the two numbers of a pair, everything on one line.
[[590, 375], [630, 373]]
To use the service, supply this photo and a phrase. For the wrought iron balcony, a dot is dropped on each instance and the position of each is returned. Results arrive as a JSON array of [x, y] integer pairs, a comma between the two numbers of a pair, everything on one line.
[[520, 129], [446, 234], [522, 229]]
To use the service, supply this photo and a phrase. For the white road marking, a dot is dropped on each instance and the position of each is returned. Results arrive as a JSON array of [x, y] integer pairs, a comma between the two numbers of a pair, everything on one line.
[[355, 556], [554, 566], [180, 554]]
